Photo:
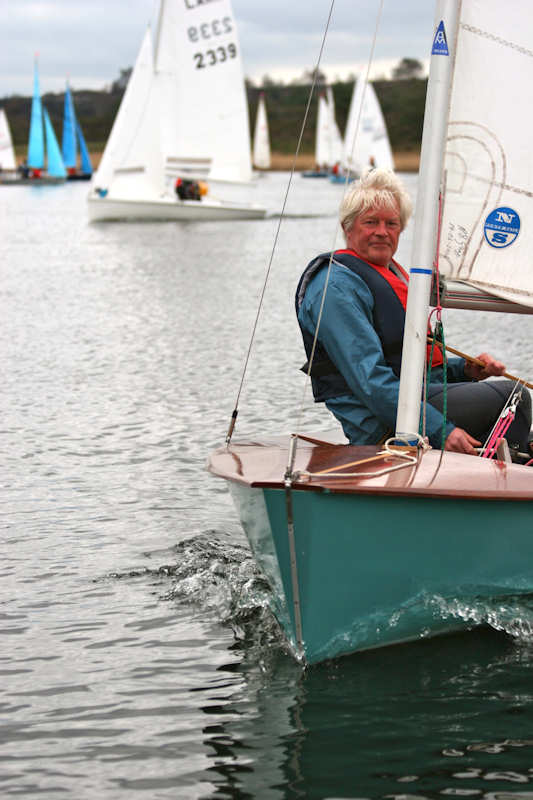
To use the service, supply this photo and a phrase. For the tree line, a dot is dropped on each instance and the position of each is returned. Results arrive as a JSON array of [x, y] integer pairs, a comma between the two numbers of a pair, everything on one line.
[[402, 101]]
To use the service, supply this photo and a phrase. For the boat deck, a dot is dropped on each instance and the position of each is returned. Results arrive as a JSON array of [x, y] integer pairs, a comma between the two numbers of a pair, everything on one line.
[[262, 464]]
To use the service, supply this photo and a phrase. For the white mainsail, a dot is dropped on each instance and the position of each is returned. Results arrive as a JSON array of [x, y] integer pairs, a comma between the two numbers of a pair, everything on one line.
[[335, 138], [366, 141], [183, 115], [487, 238], [7, 153], [198, 67], [261, 146], [322, 134]]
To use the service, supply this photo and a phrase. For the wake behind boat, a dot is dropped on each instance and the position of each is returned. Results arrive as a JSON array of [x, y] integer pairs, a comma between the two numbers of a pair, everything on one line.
[[366, 546], [183, 119]]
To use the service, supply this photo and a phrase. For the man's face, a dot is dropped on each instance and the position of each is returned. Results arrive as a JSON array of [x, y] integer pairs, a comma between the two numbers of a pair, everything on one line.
[[374, 235]]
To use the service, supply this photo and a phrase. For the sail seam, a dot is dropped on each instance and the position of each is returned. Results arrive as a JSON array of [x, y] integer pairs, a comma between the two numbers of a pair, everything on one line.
[[525, 51]]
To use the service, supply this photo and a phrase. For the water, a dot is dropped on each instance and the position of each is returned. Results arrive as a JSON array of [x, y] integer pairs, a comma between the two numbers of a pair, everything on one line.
[[139, 657]]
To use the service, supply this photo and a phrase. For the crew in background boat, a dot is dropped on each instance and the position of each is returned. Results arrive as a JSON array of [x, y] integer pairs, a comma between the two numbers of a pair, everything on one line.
[[189, 189], [356, 364]]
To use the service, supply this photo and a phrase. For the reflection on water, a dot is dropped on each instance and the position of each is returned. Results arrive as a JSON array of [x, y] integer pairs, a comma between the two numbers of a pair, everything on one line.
[[139, 655], [437, 718]]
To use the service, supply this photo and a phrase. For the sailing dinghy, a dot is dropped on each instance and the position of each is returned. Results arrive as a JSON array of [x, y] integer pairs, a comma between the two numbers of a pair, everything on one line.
[[328, 142], [183, 121], [370, 546], [366, 140], [44, 164], [74, 148]]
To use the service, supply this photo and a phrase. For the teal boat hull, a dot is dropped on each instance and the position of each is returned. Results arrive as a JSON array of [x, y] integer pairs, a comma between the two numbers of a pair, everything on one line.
[[374, 571]]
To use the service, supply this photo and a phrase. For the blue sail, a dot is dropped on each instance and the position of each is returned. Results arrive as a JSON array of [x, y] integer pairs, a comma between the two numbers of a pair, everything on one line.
[[69, 131], [36, 141], [86, 166], [56, 167]]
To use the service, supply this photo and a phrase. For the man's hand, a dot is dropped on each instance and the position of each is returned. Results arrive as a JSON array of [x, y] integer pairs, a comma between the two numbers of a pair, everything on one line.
[[459, 441], [477, 372]]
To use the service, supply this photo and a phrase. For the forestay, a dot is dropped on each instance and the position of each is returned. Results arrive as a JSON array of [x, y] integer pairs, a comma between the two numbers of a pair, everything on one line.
[[487, 230]]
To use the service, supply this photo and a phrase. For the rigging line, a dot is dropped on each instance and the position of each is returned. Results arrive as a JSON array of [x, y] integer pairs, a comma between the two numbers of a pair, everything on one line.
[[276, 236], [337, 227]]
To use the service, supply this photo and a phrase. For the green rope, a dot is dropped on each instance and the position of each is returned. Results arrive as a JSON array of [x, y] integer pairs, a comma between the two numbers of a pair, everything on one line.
[[438, 336]]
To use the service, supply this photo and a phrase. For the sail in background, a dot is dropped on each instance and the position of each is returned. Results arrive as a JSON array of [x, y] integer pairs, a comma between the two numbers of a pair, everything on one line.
[[40, 125], [335, 138], [206, 115], [127, 149], [36, 139], [7, 153], [261, 147], [322, 134], [366, 141], [184, 113], [487, 231], [328, 141], [73, 140], [54, 166]]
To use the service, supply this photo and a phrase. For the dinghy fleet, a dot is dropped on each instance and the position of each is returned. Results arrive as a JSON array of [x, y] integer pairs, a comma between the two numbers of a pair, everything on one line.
[[180, 147]]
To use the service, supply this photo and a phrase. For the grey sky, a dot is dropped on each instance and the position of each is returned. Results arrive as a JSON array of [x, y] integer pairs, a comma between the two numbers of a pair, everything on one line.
[[89, 41]]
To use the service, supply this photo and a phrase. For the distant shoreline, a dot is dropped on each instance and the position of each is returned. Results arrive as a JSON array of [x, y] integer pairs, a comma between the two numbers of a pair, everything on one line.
[[403, 161]]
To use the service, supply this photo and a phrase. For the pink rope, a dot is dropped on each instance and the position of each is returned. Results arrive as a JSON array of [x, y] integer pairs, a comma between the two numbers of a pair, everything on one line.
[[500, 429]]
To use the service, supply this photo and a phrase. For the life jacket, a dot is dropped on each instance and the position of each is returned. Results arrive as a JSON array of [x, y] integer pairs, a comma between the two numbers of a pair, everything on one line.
[[390, 300]]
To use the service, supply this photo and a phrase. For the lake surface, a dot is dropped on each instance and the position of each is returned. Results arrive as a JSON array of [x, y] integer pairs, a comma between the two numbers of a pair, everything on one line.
[[139, 657]]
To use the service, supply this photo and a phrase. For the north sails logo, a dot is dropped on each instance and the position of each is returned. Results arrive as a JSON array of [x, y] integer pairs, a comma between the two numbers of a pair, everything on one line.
[[502, 226]]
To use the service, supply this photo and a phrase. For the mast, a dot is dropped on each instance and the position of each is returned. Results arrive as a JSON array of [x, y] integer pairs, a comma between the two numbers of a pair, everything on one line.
[[426, 217]]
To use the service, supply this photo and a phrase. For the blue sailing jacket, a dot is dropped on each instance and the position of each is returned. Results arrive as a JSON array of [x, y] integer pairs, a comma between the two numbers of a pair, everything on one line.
[[363, 344]]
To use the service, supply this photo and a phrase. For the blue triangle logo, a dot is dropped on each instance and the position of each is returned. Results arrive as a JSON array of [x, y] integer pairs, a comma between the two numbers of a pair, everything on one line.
[[440, 43]]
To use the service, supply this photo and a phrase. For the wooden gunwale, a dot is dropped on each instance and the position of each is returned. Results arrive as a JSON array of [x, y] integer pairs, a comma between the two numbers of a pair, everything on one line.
[[262, 464]]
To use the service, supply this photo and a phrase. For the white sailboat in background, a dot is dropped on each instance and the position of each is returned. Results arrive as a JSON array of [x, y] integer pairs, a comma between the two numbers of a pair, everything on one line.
[[335, 147], [7, 152], [328, 141], [366, 141], [183, 117], [261, 147], [338, 529]]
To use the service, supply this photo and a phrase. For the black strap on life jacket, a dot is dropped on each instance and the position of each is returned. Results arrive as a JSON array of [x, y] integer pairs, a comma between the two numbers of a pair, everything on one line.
[[388, 320]]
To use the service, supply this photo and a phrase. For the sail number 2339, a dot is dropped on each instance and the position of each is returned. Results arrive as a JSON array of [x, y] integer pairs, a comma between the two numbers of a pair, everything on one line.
[[208, 32], [215, 55]]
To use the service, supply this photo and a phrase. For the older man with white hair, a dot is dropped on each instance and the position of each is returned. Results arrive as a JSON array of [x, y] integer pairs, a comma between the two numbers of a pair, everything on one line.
[[356, 362]]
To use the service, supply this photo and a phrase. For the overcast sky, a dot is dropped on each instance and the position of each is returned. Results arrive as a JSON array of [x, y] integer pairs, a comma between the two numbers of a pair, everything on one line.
[[89, 41]]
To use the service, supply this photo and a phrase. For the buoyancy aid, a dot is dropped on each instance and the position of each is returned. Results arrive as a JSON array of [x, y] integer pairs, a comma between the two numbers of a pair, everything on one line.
[[390, 299]]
